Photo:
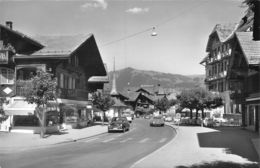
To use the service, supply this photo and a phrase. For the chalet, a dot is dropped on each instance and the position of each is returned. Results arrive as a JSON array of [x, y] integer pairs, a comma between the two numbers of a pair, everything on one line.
[[243, 76], [74, 60], [217, 61]]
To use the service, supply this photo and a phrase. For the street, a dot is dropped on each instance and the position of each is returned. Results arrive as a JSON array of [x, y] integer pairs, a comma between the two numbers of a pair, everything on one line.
[[108, 150]]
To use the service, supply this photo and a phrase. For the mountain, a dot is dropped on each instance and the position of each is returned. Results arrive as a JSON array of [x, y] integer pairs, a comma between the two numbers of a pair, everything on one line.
[[136, 78]]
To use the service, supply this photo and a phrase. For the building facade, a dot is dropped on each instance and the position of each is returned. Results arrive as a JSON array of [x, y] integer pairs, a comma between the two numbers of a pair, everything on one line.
[[73, 60], [217, 61], [244, 78]]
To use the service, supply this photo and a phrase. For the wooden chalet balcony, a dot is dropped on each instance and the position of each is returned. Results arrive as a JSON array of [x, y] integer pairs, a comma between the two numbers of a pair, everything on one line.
[[222, 74], [22, 87], [73, 93]]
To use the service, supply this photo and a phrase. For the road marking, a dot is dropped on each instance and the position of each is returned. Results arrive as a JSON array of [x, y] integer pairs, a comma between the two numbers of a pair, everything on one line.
[[89, 140], [108, 140], [128, 139], [157, 150], [162, 140], [144, 140]]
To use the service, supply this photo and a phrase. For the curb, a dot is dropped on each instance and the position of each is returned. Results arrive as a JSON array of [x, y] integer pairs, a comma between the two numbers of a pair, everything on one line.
[[6, 149], [142, 159], [77, 139]]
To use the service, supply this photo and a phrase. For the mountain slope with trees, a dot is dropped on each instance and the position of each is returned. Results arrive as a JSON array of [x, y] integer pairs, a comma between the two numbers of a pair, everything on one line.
[[135, 78]]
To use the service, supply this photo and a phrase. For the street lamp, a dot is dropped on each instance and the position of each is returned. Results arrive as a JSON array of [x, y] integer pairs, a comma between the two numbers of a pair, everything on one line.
[[154, 32]]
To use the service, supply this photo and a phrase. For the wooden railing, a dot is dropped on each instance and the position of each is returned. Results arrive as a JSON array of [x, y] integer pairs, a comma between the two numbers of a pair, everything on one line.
[[22, 87]]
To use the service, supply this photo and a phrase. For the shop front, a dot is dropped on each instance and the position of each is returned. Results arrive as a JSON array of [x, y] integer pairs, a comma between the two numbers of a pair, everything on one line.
[[75, 114], [22, 117], [252, 120]]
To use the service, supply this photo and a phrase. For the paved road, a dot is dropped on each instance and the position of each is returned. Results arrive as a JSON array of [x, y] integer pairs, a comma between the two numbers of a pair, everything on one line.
[[113, 150]]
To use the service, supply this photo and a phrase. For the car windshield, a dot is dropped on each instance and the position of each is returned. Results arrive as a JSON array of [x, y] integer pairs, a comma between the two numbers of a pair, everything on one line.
[[157, 118]]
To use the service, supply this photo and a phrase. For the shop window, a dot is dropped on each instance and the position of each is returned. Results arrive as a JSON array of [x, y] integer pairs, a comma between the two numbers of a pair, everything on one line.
[[6, 76], [52, 118], [32, 121]]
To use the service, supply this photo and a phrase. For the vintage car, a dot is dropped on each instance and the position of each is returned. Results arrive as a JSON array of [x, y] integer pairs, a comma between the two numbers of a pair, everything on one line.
[[208, 122], [118, 124], [157, 121]]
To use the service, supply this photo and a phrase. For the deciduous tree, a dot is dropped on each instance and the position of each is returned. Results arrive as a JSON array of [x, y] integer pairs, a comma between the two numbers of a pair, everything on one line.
[[42, 89]]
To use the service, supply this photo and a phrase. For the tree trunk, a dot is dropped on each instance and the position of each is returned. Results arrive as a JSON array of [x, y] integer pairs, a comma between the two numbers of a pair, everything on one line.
[[190, 113], [42, 133], [41, 116], [197, 112], [202, 113]]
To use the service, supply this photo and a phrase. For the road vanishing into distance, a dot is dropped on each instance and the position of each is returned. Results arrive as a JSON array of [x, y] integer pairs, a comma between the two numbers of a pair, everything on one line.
[[110, 150]]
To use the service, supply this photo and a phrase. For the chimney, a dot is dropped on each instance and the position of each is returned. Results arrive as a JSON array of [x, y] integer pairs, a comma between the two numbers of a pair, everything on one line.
[[256, 26], [9, 24]]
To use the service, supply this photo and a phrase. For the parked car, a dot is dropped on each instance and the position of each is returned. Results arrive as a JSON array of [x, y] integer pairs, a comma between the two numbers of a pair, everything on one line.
[[129, 118], [147, 116], [219, 121], [168, 119], [119, 124], [157, 121], [208, 122]]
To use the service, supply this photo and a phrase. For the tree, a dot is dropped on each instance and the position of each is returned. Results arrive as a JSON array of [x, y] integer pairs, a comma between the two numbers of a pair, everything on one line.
[[162, 104], [42, 89], [187, 100], [102, 102], [199, 99], [254, 5]]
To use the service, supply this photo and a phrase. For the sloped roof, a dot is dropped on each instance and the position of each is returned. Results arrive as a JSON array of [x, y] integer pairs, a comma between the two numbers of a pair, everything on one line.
[[118, 103], [146, 88], [22, 35], [133, 96], [21, 42], [204, 59], [223, 32], [250, 48], [64, 44]]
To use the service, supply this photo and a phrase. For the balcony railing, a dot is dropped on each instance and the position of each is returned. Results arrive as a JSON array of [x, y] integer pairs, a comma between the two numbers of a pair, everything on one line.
[[22, 87], [73, 93]]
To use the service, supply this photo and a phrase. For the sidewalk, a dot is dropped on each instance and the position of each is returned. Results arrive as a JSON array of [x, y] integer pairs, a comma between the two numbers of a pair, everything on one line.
[[13, 141], [200, 145]]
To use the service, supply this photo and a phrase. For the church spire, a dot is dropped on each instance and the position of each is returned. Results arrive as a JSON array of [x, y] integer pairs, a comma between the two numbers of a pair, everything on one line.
[[113, 90]]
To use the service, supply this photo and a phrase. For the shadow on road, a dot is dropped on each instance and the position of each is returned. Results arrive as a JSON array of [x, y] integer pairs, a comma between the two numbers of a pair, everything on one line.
[[221, 165], [235, 140]]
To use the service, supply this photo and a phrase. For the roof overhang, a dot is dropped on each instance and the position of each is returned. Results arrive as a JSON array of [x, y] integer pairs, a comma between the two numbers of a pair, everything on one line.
[[98, 79], [47, 56]]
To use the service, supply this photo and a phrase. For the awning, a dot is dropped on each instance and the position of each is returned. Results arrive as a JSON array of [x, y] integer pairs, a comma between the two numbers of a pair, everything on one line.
[[78, 103], [20, 108]]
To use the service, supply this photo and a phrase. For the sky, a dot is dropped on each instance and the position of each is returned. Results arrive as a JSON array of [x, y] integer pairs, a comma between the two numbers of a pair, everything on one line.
[[122, 28]]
